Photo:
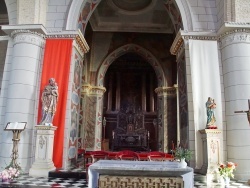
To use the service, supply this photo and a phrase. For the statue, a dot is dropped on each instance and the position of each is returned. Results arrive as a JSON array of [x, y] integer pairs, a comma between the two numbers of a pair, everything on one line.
[[49, 102], [210, 105]]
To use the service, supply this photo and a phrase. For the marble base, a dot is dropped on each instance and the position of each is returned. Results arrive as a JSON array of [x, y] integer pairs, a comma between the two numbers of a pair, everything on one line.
[[44, 150], [41, 169]]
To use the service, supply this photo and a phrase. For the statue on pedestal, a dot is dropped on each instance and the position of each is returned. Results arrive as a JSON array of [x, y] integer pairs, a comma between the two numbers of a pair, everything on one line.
[[210, 105], [49, 102]]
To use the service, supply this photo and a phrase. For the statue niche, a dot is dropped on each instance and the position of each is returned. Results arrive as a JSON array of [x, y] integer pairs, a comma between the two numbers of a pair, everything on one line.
[[130, 132]]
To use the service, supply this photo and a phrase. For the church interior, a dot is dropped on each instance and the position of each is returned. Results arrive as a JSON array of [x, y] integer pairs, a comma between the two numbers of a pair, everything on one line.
[[134, 81]]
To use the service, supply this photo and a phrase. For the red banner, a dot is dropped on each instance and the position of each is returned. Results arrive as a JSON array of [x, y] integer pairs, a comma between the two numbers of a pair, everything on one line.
[[56, 64]]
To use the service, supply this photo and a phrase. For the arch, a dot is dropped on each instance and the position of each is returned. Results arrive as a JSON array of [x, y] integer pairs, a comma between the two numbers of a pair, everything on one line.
[[136, 49], [81, 10], [12, 11]]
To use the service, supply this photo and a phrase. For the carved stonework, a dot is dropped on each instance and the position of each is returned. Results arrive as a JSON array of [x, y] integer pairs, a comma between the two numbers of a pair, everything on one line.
[[166, 91], [97, 90], [27, 36], [212, 152], [234, 36], [85, 89], [42, 142], [141, 181]]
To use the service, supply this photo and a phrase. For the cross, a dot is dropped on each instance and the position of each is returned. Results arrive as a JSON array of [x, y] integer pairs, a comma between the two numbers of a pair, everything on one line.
[[248, 112]]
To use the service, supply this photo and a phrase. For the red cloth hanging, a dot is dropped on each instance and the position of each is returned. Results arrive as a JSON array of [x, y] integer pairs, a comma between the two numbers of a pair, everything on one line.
[[56, 64]]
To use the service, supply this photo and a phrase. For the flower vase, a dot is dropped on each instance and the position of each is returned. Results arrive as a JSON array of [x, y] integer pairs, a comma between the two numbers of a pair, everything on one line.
[[226, 181], [183, 163]]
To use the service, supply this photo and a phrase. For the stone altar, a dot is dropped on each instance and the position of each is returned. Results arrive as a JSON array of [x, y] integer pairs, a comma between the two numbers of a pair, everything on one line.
[[155, 170]]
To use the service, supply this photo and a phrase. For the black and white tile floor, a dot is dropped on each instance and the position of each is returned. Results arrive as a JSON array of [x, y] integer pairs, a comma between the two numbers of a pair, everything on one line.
[[26, 181]]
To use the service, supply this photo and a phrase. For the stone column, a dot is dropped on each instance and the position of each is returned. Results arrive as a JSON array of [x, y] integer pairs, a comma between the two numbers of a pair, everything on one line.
[[165, 116], [212, 152], [235, 57], [44, 151], [22, 77], [86, 129], [162, 119], [178, 113], [96, 95]]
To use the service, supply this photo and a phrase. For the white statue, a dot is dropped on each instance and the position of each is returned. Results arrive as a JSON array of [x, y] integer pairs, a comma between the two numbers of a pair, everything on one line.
[[49, 102]]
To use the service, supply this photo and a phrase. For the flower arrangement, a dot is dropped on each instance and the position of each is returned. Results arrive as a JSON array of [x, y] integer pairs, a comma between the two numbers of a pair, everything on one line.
[[9, 173], [227, 170], [182, 153]]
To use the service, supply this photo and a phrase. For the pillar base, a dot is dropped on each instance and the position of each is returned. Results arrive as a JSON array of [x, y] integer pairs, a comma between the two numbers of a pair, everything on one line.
[[44, 150], [212, 153], [41, 169]]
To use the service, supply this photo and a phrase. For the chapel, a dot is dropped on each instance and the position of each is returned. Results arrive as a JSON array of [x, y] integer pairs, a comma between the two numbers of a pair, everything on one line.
[[131, 75]]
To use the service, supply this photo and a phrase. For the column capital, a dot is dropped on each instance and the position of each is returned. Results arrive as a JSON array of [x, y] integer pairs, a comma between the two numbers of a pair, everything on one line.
[[31, 34], [166, 91], [234, 36], [85, 88], [79, 40], [93, 90]]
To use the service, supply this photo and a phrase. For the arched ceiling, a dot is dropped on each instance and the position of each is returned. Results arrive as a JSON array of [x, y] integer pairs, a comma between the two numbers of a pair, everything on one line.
[[147, 16]]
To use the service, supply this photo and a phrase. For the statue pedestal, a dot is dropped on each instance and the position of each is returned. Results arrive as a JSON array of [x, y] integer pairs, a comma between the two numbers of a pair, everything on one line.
[[212, 152], [44, 151]]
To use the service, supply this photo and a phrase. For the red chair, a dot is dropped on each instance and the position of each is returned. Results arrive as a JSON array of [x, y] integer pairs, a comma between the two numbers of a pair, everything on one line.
[[142, 156], [127, 155], [168, 157], [97, 155], [112, 155], [156, 156]]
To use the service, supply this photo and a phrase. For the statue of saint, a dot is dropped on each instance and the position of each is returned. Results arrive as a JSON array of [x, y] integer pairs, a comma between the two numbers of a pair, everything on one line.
[[210, 105], [49, 102]]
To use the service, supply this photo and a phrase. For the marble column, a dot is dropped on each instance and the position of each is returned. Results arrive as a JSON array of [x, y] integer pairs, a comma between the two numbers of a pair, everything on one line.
[[235, 57], [44, 151], [22, 77]]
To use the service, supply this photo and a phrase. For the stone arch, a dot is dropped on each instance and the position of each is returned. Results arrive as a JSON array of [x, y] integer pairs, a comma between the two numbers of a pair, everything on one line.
[[131, 48], [12, 11], [81, 10]]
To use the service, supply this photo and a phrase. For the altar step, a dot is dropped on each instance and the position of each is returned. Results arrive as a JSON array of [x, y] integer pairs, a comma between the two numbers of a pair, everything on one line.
[[200, 178], [74, 173]]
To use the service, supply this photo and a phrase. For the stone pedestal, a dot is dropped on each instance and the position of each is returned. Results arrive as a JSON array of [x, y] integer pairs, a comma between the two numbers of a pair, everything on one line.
[[212, 152], [44, 151]]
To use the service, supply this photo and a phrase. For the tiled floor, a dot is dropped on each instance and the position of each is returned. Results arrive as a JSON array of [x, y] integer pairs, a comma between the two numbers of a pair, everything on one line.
[[25, 181]]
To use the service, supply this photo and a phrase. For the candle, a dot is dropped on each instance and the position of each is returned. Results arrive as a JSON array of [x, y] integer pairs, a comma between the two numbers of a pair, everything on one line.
[[113, 133], [148, 134]]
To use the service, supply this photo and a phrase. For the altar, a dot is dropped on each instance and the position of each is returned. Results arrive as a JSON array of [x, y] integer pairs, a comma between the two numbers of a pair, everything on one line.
[[119, 173]]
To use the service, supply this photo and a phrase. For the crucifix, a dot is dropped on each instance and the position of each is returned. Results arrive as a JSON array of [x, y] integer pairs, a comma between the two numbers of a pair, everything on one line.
[[248, 111]]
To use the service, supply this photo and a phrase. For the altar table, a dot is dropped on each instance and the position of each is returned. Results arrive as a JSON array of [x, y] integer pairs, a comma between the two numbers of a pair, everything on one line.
[[139, 168]]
